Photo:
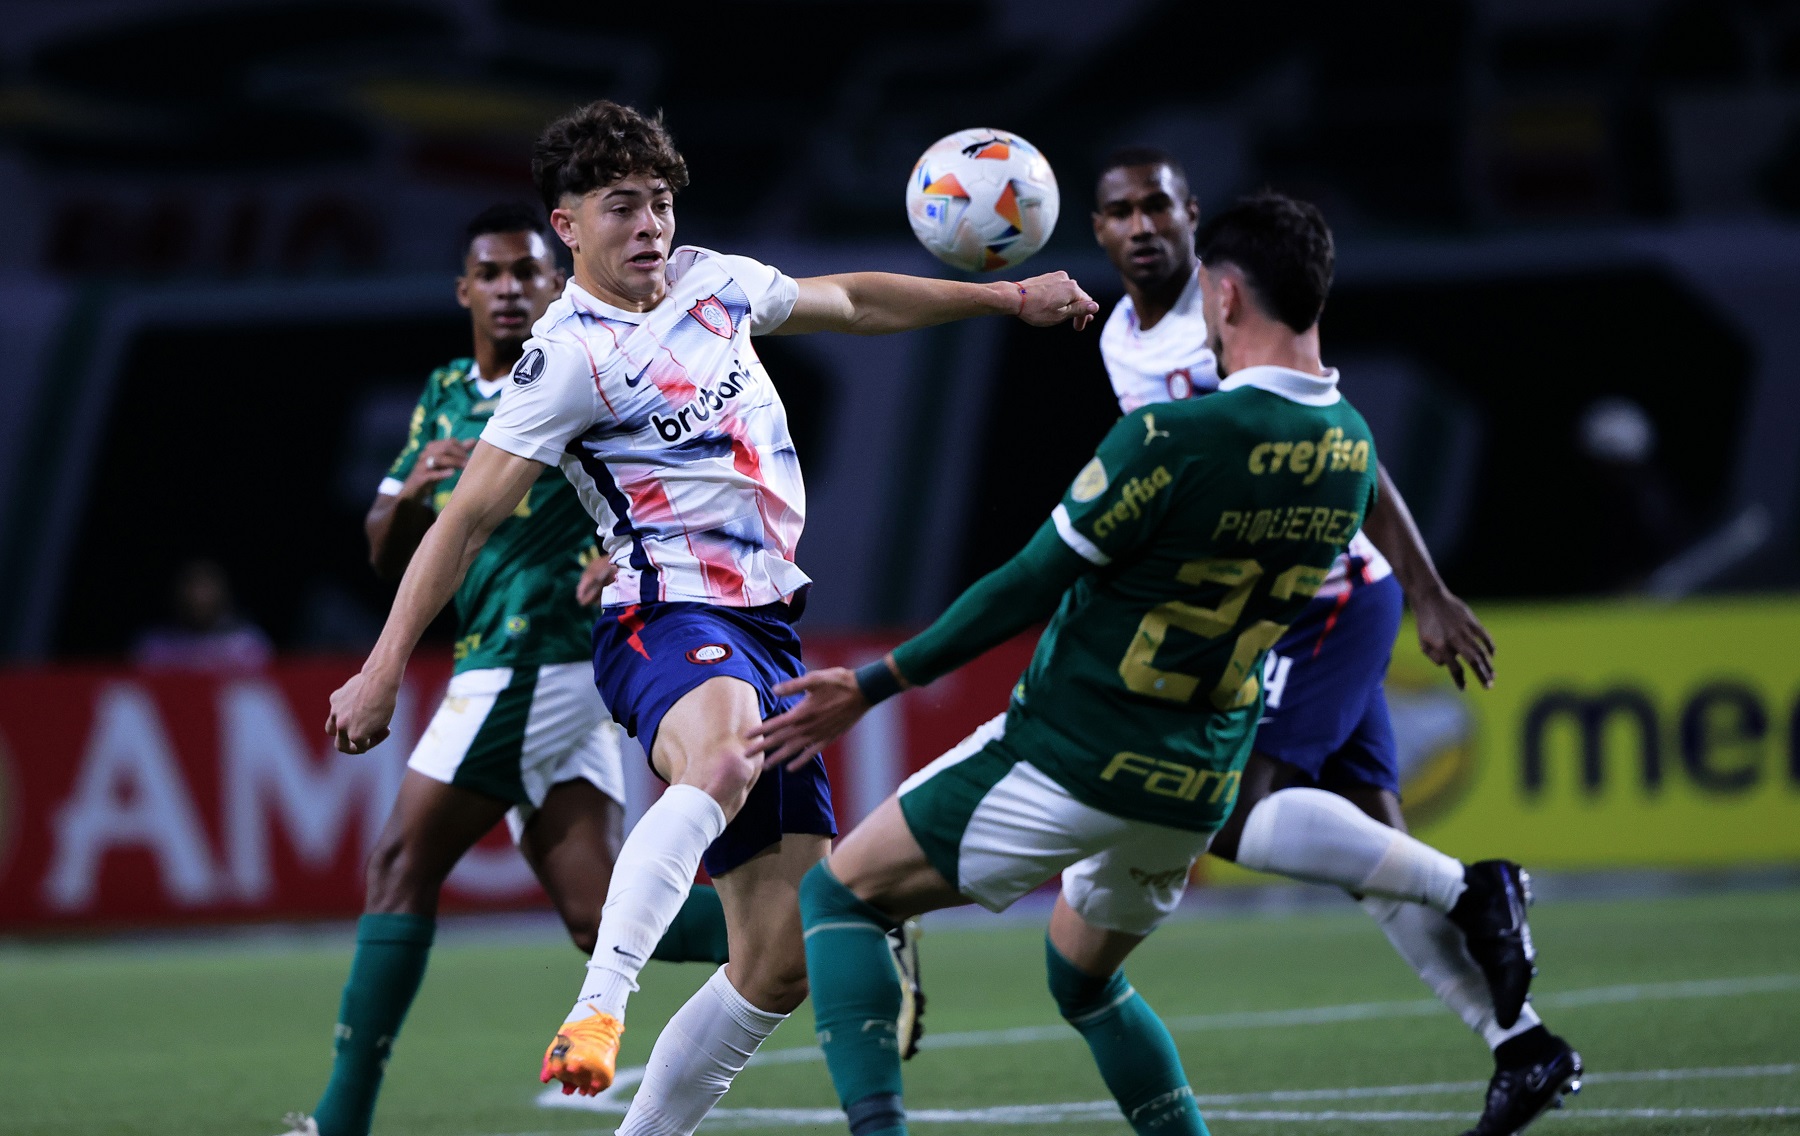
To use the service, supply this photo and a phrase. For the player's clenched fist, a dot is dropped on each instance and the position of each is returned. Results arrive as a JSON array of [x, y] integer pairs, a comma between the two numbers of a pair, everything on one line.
[[1054, 297], [595, 575], [437, 461], [360, 712]]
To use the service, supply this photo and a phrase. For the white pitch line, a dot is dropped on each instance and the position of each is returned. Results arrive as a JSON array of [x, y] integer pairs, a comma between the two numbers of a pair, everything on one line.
[[1693, 1074], [609, 1102], [1564, 1114], [1077, 1110], [1662, 991], [1675, 1113], [1325, 1015], [1445, 1087]]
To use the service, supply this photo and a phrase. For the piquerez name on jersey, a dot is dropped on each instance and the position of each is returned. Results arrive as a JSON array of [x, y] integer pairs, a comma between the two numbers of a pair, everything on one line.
[[667, 425], [1143, 694], [1172, 361]]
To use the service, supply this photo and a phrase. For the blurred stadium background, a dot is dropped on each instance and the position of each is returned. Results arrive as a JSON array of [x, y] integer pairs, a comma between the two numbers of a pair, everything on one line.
[[1568, 302]]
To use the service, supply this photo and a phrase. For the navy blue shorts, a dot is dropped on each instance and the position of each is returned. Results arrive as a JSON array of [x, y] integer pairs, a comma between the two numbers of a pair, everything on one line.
[[647, 656], [1325, 710]]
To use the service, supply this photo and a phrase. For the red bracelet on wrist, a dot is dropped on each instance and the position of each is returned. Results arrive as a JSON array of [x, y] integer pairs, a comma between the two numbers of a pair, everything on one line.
[[1021, 289]]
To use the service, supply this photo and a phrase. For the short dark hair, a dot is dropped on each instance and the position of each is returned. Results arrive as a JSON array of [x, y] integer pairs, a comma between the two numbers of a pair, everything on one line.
[[506, 217], [1125, 157], [595, 145], [1284, 249]]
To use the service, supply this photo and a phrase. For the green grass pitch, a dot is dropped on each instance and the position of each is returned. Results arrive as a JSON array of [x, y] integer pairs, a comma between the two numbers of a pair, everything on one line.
[[201, 1038]]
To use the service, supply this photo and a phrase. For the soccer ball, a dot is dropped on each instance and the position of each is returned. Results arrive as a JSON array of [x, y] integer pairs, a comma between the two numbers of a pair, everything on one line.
[[982, 199]]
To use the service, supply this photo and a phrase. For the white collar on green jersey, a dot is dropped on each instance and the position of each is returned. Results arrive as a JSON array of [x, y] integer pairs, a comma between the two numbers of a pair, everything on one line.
[[486, 388], [1295, 386]]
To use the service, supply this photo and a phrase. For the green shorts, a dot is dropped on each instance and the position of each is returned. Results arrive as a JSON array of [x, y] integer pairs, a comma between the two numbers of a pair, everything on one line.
[[514, 732], [997, 826]]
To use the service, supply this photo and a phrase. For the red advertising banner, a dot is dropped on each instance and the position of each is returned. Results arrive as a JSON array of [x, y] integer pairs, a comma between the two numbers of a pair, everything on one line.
[[138, 798]]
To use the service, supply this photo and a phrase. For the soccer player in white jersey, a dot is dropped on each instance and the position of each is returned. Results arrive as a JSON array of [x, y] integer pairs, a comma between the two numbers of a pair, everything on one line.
[[641, 384], [1325, 722], [521, 733]]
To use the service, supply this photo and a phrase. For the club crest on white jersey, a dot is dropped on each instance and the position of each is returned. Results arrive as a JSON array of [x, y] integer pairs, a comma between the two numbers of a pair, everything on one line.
[[712, 316], [667, 425], [1166, 363]]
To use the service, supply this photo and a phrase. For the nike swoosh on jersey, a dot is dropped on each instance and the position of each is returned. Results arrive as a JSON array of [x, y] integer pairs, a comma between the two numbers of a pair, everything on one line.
[[634, 380]]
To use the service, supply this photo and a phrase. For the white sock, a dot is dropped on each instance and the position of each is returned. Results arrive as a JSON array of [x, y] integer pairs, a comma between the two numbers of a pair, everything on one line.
[[702, 1049], [650, 882], [1433, 946], [1310, 834]]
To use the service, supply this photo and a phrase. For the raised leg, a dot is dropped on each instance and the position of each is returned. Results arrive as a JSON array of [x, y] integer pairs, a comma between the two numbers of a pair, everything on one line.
[[709, 1040], [1461, 928], [700, 750]]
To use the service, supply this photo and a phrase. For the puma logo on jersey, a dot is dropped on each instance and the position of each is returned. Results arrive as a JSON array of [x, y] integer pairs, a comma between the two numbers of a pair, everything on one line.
[[692, 418], [1151, 433]]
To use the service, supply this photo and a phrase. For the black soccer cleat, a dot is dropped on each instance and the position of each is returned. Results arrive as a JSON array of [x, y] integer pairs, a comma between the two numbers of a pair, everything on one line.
[[903, 945], [1491, 915], [1519, 1094]]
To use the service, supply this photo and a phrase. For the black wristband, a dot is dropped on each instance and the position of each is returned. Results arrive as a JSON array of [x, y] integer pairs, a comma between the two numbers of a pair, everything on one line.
[[876, 681]]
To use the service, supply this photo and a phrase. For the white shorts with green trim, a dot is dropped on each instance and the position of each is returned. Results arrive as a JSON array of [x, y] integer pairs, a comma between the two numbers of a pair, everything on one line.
[[514, 732], [997, 827]]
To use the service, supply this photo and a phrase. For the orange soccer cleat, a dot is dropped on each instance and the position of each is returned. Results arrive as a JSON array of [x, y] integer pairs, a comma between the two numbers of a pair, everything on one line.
[[584, 1055]]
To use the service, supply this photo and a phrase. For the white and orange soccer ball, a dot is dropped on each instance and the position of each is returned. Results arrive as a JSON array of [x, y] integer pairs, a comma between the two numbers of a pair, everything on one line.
[[982, 200]]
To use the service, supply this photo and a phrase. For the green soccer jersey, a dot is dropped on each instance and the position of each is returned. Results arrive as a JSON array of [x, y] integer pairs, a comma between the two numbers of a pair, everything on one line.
[[517, 605], [1211, 523]]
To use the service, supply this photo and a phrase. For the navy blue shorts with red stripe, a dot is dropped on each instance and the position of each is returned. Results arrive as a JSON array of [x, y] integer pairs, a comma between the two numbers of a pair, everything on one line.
[[1325, 708], [647, 656]]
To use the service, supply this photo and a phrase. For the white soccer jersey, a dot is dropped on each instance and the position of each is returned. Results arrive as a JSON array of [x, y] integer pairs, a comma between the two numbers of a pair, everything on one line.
[[1172, 361], [1165, 363], [667, 425]]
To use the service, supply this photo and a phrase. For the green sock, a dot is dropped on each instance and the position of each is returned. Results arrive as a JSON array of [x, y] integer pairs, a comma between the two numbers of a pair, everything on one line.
[[384, 976], [698, 933], [856, 1002], [1132, 1047]]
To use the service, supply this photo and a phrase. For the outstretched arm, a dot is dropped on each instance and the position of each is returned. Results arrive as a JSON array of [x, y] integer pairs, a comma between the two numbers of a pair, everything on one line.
[[1023, 591], [1103, 515], [1448, 629], [492, 485], [877, 303]]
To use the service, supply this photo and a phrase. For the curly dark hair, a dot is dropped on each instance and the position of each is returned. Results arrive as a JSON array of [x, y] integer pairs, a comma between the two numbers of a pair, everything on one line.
[[595, 145], [506, 217], [1125, 157], [1284, 249]]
